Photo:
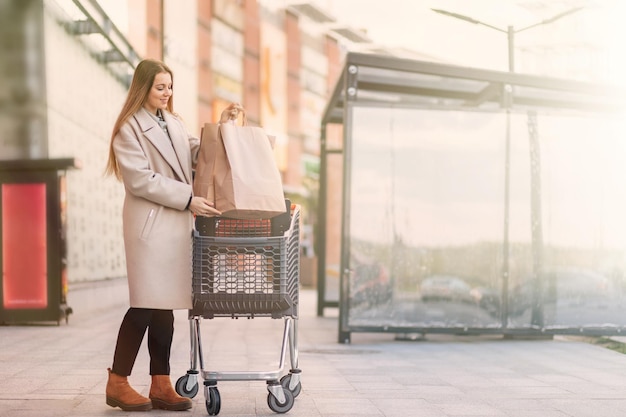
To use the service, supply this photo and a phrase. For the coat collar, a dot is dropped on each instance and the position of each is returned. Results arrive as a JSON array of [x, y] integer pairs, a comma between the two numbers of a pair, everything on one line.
[[180, 141], [174, 153]]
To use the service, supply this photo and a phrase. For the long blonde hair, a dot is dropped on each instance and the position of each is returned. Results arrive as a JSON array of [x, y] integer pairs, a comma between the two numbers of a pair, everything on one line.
[[140, 86]]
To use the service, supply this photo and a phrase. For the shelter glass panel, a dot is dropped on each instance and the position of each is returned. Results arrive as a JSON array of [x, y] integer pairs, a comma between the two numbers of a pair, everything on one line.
[[426, 218], [575, 274], [429, 204]]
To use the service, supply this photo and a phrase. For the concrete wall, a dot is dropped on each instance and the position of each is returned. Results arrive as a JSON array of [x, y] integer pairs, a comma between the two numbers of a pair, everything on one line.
[[83, 102]]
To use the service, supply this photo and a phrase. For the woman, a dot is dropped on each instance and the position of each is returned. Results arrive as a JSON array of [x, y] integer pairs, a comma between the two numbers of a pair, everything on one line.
[[153, 155]]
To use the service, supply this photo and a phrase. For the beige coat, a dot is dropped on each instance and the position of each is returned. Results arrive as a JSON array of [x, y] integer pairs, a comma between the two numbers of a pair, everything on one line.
[[157, 176]]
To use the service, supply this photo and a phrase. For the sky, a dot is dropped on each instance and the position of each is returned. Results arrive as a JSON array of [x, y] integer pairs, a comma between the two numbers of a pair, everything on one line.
[[412, 24]]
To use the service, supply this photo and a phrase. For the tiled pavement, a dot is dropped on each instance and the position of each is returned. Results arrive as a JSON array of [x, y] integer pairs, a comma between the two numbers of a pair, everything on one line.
[[49, 370]]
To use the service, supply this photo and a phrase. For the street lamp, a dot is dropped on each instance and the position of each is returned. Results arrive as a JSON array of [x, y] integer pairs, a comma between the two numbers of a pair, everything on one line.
[[510, 30], [537, 315]]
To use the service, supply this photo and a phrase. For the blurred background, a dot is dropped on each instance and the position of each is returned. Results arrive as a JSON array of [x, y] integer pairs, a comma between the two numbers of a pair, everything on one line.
[[65, 66]]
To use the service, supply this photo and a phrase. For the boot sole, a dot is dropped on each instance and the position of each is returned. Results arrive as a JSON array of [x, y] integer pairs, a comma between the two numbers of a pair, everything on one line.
[[128, 407], [160, 404]]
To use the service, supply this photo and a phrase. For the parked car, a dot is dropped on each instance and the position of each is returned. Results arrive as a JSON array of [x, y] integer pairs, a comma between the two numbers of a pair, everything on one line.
[[487, 298], [370, 284], [445, 288], [568, 285]]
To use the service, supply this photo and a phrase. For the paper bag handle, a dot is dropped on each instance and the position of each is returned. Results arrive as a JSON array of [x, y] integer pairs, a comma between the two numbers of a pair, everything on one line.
[[244, 118]]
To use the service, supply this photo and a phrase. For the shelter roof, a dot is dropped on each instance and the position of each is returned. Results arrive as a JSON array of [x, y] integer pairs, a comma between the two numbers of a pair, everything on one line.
[[370, 79]]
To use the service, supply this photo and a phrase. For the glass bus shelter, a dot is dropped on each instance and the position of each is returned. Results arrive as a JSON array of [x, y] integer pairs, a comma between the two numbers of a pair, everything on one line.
[[471, 201]]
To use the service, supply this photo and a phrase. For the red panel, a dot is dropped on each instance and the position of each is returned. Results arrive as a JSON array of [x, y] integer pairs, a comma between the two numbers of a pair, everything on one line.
[[24, 250]]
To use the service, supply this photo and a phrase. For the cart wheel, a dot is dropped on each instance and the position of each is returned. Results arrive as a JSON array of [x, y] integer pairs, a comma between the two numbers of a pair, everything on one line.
[[286, 380], [281, 407], [214, 403], [181, 387]]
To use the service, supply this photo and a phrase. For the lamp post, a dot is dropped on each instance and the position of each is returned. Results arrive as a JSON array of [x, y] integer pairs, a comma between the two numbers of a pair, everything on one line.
[[510, 30], [537, 316]]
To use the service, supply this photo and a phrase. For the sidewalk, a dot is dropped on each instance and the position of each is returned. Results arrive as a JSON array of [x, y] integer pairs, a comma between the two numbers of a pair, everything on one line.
[[49, 370]]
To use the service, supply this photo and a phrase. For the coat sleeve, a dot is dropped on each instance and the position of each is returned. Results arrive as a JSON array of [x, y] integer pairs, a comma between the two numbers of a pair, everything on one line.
[[141, 179]]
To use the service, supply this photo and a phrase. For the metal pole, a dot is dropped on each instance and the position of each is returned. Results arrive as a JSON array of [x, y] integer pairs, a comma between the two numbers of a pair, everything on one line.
[[508, 93], [505, 239], [320, 235], [537, 311], [510, 34]]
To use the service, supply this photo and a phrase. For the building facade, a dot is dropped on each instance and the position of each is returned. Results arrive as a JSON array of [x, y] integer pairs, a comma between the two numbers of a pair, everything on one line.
[[67, 72]]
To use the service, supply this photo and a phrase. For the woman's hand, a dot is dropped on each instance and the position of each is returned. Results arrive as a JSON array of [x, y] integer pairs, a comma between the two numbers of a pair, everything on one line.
[[200, 206], [231, 112]]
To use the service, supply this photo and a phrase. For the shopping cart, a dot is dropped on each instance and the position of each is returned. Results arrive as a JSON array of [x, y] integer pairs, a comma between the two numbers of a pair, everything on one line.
[[246, 268]]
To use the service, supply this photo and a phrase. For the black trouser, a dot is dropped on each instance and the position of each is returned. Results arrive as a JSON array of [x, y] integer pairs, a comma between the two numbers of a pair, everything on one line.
[[160, 325]]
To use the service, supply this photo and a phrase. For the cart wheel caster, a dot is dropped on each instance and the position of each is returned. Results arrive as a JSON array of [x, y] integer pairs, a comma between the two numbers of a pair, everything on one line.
[[213, 404], [285, 381], [181, 387], [277, 407]]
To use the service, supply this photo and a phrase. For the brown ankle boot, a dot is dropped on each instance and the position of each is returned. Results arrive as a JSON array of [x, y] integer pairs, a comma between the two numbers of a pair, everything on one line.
[[121, 394], [163, 395]]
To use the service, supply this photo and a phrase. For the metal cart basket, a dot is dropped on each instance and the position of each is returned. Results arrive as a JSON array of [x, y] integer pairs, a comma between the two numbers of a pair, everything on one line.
[[246, 268]]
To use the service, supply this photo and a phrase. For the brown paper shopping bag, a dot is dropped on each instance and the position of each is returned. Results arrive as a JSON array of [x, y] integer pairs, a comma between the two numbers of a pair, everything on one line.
[[203, 184], [247, 181]]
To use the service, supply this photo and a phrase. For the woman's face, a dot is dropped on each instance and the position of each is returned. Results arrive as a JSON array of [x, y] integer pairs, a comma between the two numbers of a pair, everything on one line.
[[160, 92]]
